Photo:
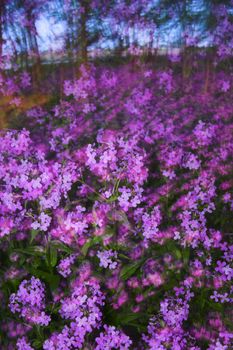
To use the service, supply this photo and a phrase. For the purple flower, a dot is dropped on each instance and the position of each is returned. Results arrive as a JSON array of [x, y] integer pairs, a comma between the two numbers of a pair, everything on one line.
[[112, 338], [106, 257], [29, 302], [22, 344]]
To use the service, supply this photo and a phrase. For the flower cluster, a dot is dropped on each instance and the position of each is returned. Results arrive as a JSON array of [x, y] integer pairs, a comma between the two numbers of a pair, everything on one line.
[[83, 308], [106, 259], [29, 302], [112, 338], [64, 267]]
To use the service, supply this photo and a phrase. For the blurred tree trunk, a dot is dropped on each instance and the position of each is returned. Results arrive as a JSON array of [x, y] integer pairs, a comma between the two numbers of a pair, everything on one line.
[[2, 5], [2, 112], [209, 71], [34, 54], [183, 16], [85, 7], [36, 61], [187, 63], [207, 76], [24, 51]]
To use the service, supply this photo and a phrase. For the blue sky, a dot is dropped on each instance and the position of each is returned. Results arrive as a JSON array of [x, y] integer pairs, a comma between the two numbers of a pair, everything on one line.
[[50, 33]]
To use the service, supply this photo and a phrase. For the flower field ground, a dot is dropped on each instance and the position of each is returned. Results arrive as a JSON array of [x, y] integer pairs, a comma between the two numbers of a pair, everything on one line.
[[116, 208]]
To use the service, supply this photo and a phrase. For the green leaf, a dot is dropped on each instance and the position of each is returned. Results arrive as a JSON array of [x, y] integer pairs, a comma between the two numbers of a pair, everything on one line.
[[53, 256], [128, 270], [37, 344], [50, 278], [61, 246], [126, 319], [111, 199], [34, 233], [186, 255], [177, 253], [123, 256], [89, 244], [32, 250]]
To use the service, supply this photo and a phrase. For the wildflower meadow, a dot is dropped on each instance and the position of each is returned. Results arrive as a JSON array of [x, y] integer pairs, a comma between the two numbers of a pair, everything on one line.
[[116, 175]]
